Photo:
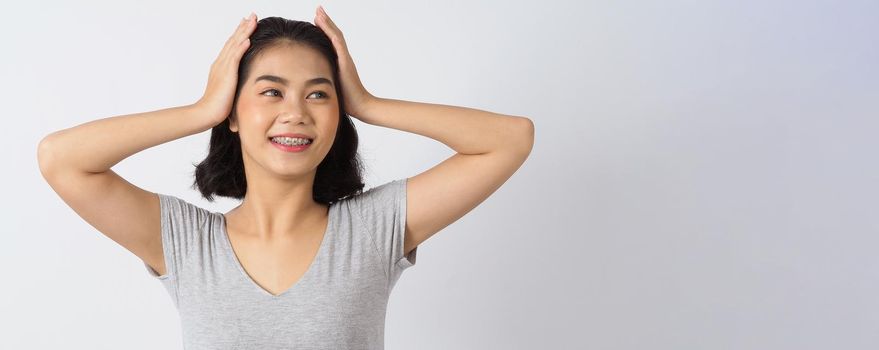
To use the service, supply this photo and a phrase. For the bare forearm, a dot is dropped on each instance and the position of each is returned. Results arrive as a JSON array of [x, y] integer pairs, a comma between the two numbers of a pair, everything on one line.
[[465, 130], [98, 145]]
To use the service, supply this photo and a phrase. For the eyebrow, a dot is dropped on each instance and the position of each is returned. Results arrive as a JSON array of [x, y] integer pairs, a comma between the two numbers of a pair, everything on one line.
[[285, 82]]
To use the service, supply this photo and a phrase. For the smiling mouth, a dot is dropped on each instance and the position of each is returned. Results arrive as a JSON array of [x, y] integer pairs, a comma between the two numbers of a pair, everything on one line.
[[293, 148], [291, 142]]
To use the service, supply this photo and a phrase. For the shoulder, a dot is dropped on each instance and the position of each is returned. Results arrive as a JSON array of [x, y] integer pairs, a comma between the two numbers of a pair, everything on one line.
[[176, 210], [385, 194]]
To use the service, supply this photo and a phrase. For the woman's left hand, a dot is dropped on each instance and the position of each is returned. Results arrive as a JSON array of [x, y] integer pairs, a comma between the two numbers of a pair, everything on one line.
[[355, 95]]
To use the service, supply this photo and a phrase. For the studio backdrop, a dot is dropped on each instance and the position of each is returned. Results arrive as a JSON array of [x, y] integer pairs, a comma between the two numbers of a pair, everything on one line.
[[703, 174]]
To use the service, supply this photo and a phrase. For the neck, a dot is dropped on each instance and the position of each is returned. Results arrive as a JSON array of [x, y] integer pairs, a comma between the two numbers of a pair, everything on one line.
[[277, 209]]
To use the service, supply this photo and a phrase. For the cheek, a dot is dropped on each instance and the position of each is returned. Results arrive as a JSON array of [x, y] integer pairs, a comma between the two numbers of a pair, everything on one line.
[[247, 112], [332, 129], [250, 108]]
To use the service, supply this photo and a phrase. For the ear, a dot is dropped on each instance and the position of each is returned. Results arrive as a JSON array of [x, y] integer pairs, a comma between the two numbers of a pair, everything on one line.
[[233, 124]]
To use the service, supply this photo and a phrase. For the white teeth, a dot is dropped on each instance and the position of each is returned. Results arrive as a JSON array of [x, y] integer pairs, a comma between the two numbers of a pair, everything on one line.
[[291, 141]]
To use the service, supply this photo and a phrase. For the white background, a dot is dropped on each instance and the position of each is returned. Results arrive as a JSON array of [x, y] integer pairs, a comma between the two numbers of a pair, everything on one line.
[[704, 173]]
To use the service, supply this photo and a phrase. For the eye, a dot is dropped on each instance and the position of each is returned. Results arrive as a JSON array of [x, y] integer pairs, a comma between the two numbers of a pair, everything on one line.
[[323, 94], [264, 92], [320, 92]]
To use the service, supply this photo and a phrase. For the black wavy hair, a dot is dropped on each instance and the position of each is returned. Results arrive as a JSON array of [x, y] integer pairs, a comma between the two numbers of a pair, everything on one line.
[[339, 175]]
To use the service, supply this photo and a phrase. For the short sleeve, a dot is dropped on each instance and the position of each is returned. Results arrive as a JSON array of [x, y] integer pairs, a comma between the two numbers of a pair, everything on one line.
[[180, 222], [383, 213]]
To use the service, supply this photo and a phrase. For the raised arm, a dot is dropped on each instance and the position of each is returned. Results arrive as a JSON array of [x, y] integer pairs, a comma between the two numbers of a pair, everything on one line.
[[76, 162], [490, 147], [96, 146]]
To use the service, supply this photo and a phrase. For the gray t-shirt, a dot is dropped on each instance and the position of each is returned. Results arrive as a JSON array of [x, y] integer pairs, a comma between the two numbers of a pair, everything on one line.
[[339, 302]]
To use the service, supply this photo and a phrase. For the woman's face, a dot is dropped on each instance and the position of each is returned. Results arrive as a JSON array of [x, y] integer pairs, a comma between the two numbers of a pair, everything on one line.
[[281, 96]]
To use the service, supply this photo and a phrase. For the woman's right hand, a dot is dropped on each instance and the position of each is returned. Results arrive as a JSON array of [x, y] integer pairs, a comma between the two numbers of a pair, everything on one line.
[[216, 103]]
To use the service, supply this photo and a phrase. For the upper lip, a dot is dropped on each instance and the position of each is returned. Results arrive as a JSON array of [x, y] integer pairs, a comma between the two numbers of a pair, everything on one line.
[[301, 136]]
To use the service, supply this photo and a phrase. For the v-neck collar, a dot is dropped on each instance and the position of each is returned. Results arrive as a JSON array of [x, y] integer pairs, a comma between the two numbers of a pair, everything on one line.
[[320, 252]]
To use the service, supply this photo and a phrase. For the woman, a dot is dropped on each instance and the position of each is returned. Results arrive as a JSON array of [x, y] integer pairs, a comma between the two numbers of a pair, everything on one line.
[[307, 259]]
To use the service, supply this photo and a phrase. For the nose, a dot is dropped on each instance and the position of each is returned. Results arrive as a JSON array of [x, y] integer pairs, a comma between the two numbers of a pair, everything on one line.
[[294, 112]]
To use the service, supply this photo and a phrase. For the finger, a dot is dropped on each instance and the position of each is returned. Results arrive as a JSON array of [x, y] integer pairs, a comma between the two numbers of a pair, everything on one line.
[[246, 28], [332, 24], [241, 34], [319, 19], [243, 30], [232, 38], [325, 18], [333, 32], [238, 30], [242, 47]]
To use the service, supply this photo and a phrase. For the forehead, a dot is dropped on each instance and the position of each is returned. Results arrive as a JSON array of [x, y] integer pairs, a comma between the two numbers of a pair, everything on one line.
[[296, 62]]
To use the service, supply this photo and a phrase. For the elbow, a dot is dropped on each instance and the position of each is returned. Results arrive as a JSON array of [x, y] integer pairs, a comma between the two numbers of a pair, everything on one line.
[[527, 135], [44, 155]]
